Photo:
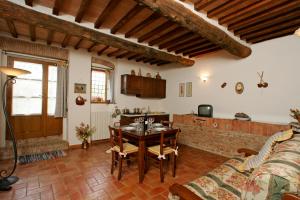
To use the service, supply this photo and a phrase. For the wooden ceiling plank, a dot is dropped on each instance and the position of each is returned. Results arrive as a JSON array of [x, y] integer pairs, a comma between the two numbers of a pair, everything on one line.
[[77, 45], [16, 12], [166, 36], [180, 38], [29, 2], [56, 7], [252, 10], [129, 15], [217, 5], [183, 41], [82, 9], [273, 14], [115, 53], [50, 37], [155, 62], [204, 52], [32, 32], [148, 60], [155, 31], [200, 5], [186, 18], [102, 50], [272, 29], [162, 63], [105, 13], [192, 46], [92, 46], [154, 16], [12, 28], [186, 44], [223, 7], [65, 41], [123, 55], [201, 47], [267, 23], [133, 56], [139, 59], [273, 35]]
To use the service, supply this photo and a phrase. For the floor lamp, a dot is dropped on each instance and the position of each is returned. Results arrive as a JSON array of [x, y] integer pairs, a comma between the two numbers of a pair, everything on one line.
[[6, 178]]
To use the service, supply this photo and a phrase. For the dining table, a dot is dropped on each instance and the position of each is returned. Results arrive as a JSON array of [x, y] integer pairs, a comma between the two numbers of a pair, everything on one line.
[[142, 138]]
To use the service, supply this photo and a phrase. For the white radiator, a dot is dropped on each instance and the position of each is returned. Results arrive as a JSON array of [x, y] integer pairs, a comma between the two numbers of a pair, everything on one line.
[[101, 121]]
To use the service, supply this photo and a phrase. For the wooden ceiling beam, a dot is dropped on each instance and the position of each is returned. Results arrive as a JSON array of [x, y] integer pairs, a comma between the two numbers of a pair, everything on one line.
[[155, 62], [82, 9], [223, 7], [191, 46], [32, 32], [65, 41], [203, 4], [253, 10], [126, 54], [162, 63], [284, 11], [102, 50], [133, 56], [155, 31], [148, 60], [29, 2], [13, 11], [131, 13], [268, 23], [154, 16], [188, 19], [205, 51], [77, 45], [114, 53], [200, 48], [166, 36], [92, 46], [183, 37], [105, 13], [12, 28], [139, 59], [187, 43], [56, 7], [50, 37]]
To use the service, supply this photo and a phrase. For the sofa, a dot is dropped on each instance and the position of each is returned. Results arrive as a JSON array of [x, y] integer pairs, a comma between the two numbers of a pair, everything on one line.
[[278, 177]]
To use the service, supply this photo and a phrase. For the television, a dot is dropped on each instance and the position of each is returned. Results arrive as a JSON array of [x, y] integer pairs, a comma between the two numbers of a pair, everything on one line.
[[205, 110]]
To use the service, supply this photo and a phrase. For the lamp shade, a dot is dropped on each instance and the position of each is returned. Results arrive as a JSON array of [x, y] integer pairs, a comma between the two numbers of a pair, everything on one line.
[[297, 32], [10, 71]]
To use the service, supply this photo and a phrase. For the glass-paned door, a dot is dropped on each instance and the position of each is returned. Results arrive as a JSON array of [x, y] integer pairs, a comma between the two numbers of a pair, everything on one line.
[[32, 98]]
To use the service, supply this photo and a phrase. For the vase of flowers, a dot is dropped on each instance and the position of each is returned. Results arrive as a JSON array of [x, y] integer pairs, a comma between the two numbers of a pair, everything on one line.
[[83, 132], [295, 113]]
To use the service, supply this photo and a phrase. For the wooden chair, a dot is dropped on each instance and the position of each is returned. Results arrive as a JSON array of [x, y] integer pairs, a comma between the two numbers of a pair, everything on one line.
[[167, 123], [167, 146], [119, 149]]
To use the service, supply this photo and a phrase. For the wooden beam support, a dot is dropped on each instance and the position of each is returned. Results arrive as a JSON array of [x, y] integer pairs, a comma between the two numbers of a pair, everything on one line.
[[83, 6], [92, 46], [77, 45], [65, 41], [105, 13], [142, 25], [133, 12], [11, 11], [102, 50], [12, 28], [50, 37], [166, 36], [188, 19], [32, 32], [181, 38], [155, 31], [29, 2], [56, 7]]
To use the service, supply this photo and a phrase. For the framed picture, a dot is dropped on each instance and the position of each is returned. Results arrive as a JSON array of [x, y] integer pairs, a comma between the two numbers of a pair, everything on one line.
[[80, 88], [181, 89], [189, 89]]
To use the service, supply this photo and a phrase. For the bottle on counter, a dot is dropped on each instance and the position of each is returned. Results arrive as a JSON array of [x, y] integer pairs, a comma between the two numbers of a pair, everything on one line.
[[145, 122]]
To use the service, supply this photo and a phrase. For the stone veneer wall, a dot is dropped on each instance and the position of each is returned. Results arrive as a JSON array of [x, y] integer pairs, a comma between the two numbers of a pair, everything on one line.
[[223, 136]]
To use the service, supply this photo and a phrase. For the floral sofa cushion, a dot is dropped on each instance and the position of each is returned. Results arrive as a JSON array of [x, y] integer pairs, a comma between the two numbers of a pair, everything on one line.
[[280, 173], [224, 182]]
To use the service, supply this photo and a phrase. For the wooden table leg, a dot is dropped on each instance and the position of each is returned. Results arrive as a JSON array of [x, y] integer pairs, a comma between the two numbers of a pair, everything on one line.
[[141, 160]]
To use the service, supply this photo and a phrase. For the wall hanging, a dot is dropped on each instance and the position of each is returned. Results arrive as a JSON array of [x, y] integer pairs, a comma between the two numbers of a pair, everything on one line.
[[223, 85], [181, 89], [239, 87], [262, 83], [189, 89], [80, 100], [80, 88]]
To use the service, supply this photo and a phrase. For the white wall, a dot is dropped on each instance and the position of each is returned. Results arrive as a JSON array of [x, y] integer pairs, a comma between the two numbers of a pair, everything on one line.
[[278, 58]]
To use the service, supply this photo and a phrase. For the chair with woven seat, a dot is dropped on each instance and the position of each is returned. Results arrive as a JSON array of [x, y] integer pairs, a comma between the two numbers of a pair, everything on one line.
[[167, 146], [119, 149], [167, 123]]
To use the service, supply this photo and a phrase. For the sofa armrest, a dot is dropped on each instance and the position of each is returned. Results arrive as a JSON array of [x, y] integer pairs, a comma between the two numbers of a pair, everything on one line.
[[288, 196], [183, 192], [247, 152]]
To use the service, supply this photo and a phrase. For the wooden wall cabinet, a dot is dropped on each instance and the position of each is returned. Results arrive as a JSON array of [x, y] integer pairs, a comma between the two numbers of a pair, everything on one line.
[[143, 87]]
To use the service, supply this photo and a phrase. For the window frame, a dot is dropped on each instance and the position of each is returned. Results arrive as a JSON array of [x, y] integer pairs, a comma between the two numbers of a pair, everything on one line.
[[99, 70]]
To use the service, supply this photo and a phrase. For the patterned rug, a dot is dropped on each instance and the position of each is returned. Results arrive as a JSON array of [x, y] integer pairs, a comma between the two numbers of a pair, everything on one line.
[[34, 149]]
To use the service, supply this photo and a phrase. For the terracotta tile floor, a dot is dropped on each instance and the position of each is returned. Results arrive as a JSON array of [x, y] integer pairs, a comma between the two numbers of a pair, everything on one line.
[[86, 175]]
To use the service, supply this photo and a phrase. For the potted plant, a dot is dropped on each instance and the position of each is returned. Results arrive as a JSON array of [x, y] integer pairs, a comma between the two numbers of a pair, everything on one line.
[[83, 132], [295, 113]]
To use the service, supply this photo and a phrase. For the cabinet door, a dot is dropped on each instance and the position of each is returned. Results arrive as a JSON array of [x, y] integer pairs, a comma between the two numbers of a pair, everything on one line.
[[130, 84], [160, 88], [148, 89]]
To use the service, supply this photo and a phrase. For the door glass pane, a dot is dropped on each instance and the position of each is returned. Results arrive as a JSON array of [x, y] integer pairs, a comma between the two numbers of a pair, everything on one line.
[[52, 84], [27, 91]]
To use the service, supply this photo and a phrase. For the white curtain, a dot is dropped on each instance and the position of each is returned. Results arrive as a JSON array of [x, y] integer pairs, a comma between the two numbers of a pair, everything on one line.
[[3, 62], [111, 85], [61, 91]]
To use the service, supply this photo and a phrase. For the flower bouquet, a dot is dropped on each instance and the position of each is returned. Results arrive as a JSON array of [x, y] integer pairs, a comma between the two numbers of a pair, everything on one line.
[[83, 132]]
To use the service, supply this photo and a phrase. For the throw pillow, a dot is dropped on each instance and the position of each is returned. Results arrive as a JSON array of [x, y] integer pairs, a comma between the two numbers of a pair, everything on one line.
[[254, 161]]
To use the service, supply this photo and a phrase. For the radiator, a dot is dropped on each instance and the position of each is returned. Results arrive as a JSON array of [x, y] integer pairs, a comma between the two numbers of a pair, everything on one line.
[[101, 121]]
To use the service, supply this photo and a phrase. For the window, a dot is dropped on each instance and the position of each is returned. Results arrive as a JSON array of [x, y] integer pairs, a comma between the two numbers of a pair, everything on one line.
[[99, 86], [52, 85]]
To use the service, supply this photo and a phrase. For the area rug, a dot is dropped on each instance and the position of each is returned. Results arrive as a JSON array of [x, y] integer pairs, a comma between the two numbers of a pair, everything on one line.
[[40, 156]]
